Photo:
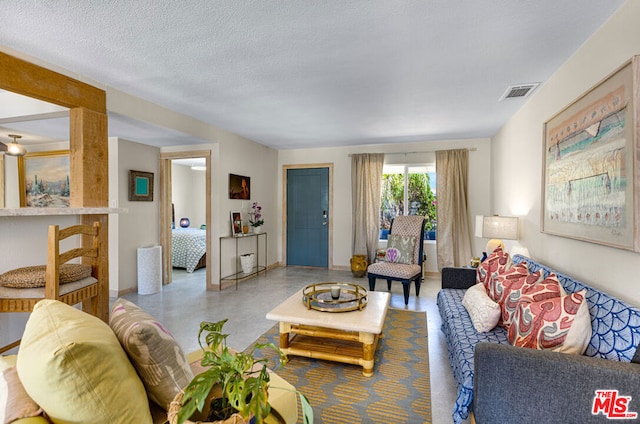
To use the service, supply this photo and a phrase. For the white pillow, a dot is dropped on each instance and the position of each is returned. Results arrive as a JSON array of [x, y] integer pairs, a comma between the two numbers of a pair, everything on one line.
[[483, 311]]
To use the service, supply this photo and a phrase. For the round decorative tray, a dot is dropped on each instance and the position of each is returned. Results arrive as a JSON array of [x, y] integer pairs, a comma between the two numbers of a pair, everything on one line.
[[319, 296]]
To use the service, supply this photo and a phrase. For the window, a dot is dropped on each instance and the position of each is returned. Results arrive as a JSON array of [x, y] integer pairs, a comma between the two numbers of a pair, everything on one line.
[[408, 190]]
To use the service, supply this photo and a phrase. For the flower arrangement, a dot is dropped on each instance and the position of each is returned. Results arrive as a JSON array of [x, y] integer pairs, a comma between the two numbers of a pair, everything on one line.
[[256, 215]]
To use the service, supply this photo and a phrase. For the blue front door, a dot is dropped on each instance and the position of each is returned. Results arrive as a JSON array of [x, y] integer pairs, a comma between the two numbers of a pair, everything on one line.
[[308, 217]]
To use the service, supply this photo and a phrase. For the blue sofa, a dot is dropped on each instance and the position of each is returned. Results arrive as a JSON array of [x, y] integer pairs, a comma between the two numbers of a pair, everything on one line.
[[504, 384]]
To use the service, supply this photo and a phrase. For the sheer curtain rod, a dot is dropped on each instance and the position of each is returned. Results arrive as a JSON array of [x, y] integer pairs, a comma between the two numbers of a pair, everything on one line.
[[471, 149]]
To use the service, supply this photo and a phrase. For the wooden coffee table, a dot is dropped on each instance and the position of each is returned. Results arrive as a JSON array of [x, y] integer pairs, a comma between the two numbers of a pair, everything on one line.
[[347, 337]]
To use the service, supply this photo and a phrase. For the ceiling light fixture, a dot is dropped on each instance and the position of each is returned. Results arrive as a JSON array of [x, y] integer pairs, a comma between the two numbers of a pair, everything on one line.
[[14, 148]]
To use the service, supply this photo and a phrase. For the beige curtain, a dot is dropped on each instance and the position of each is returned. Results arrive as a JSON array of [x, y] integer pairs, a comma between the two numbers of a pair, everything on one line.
[[453, 233], [366, 181]]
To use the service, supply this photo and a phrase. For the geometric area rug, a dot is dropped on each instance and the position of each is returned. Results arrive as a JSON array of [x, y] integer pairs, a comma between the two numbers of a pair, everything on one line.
[[398, 392]]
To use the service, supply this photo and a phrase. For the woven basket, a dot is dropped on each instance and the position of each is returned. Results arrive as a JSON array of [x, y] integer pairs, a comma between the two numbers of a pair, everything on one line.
[[174, 407]]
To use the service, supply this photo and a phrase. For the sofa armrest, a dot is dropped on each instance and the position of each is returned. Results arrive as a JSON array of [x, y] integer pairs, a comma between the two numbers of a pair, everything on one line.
[[516, 385], [458, 278]]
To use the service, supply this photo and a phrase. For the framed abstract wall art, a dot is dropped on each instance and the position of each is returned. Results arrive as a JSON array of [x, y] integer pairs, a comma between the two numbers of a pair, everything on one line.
[[591, 175], [140, 186], [43, 178], [239, 187]]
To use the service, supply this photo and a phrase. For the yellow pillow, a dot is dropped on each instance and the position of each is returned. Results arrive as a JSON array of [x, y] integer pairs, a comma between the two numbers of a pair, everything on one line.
[[7, 361], [32, 420], [73, 366]]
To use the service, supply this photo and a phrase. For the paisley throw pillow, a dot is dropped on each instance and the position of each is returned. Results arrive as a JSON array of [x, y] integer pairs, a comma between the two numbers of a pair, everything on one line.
[[561, 324], [498, 262]]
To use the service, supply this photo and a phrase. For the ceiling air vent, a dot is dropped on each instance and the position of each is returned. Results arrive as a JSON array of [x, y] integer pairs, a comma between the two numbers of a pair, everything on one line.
[[518, 91]]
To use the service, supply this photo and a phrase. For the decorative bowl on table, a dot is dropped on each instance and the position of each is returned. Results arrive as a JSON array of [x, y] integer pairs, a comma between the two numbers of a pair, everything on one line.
[[334, 297]]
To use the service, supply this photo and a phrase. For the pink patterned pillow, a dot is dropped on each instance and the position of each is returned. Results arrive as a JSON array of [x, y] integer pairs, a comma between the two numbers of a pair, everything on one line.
[[512, 279], [534, 291], [497, 263], [561, 324]]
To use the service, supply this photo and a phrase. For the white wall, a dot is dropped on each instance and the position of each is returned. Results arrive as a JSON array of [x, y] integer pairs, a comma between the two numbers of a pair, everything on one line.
[[139, 226], [188, 191], [260, 164], [517, 160], [479, 162], [11, 182]]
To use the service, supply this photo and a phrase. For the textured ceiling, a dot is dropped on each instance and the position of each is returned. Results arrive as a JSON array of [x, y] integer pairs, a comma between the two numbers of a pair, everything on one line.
[[302, 73]]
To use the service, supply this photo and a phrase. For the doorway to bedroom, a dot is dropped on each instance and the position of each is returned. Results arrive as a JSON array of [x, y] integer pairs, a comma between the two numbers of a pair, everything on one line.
[[185, 214]]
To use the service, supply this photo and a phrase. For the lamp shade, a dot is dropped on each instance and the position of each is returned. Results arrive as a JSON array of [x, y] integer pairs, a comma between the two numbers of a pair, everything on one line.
[[479, 225], [184, 222], [499, 227]]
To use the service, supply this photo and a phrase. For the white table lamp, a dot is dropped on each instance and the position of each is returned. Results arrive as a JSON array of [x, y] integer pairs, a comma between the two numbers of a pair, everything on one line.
[[496, 228]]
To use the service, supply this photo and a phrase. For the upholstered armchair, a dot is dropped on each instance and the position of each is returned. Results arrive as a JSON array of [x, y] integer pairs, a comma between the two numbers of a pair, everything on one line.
[[403, 260]]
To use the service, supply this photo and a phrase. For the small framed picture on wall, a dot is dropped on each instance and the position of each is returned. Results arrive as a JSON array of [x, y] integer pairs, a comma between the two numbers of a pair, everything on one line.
[[141, 186]]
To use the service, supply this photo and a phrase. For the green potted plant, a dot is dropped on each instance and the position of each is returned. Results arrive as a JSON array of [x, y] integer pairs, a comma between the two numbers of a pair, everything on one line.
[[234, 382]]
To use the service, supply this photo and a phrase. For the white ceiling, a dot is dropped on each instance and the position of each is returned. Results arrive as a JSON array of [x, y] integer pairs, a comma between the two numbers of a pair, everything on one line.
[[305, 73]]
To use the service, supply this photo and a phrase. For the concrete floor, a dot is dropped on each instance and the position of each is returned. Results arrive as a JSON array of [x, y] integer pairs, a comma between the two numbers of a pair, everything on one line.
[[182, 305]]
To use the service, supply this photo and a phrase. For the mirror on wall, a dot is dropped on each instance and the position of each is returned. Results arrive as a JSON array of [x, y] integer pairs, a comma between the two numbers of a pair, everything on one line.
[[37, 179]]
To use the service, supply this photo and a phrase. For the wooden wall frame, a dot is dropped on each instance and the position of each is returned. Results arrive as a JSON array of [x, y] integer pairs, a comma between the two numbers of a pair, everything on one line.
[[88, 141]]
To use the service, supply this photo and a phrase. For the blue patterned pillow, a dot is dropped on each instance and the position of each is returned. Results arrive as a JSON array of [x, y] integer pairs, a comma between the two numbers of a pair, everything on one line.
[[400, 249]]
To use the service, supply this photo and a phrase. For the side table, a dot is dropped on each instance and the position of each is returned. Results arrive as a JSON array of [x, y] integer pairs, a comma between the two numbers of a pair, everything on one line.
[[256, 269]]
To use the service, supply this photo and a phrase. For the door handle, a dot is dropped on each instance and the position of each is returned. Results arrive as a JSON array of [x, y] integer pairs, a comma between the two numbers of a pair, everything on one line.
[[324, 217]]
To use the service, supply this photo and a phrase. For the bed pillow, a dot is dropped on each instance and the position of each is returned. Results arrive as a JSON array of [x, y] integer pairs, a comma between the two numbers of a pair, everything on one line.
[[73, 366], [498, 262], [561, 324], [400, 249], [483, 311], [34, 276], [153, 351]]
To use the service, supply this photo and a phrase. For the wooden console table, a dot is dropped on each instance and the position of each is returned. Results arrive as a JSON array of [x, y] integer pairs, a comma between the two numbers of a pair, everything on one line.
[[239, 274]]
